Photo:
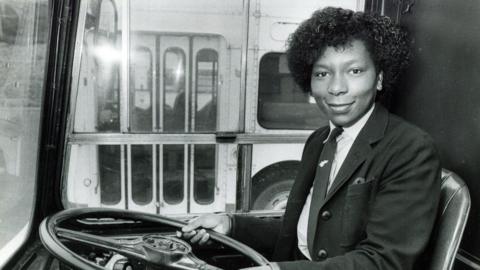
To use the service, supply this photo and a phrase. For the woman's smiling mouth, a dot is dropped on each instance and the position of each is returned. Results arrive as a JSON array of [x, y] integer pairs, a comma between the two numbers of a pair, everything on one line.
[[340, 107]]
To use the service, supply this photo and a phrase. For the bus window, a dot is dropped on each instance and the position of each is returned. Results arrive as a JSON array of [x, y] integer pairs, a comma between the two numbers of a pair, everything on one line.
[[204, 173], [109, 158], [174, 90], [281, 104], [173, 173], [206, 90], [24, 27], [142, 174], [141, 90]]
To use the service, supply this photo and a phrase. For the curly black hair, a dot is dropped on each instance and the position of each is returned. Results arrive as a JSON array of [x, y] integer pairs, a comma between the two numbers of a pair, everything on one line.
[[387, 43]]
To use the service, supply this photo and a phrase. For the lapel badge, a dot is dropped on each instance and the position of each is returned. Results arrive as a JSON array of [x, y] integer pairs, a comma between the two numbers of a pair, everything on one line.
[[359, 180], [322, 163]]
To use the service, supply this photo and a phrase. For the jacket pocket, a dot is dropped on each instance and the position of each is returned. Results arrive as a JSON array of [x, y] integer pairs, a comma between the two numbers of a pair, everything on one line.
[[355, 213]]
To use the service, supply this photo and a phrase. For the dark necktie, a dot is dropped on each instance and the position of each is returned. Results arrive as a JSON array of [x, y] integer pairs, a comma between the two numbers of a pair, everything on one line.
[[320, 183]]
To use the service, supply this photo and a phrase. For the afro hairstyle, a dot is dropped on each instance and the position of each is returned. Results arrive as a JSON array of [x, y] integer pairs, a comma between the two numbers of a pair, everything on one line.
[[387, 43]]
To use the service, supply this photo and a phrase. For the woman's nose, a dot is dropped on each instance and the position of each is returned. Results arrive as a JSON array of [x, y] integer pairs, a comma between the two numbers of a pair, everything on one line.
[[337, 85]]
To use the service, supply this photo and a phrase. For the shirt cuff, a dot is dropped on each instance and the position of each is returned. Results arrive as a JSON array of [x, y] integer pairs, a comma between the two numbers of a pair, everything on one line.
[[274, 266]]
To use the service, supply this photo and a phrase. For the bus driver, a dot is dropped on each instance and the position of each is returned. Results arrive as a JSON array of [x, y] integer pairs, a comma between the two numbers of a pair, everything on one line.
[[368, 185]]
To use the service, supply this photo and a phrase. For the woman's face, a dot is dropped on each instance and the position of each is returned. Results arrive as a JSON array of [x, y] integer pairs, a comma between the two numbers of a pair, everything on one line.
[[344, 83]]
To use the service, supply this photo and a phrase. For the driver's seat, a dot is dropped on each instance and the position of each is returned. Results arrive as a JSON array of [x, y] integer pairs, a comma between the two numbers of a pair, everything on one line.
[[452, 217]]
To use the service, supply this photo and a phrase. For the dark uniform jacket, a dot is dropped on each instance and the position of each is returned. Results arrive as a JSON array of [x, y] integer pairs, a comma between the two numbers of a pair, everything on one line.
[[379, 212]]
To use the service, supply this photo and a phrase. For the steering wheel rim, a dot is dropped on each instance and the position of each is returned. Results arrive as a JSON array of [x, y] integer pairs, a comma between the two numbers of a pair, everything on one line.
[[50, 230]]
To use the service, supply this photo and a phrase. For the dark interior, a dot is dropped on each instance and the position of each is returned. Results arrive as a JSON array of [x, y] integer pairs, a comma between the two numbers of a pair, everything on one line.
[[440, 92]]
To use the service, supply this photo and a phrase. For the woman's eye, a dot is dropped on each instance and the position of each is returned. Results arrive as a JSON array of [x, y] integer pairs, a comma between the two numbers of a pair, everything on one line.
[[356, 71], [321, 74]]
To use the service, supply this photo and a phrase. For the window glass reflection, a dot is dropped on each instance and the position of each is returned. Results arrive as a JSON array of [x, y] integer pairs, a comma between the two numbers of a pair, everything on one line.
[[106, 62], [206, 90], [174, 90], [141, 90], [24, 28], [107, 97], [173, 173], [97, 107]]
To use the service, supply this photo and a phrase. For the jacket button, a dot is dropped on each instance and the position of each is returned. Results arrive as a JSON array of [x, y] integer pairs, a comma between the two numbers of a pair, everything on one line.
[[326, 215], [322, 254]]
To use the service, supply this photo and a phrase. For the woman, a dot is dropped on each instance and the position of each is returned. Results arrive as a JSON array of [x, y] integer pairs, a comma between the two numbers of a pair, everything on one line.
[[368, 186]]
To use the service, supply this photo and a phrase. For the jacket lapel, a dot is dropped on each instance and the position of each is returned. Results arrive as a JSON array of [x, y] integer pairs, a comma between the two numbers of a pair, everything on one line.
[[298, 195], [303, 183], [372, 132], [302, 186]]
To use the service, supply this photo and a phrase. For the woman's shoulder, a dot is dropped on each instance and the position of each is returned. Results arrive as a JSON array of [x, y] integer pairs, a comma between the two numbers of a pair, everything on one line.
[[403, 130]]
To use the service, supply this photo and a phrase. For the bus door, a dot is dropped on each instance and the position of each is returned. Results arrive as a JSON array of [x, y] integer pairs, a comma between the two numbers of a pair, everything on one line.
[[188, 101], [147, 104]]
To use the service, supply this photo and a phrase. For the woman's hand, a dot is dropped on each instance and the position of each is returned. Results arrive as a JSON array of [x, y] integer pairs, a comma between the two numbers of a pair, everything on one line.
[[218, 222]]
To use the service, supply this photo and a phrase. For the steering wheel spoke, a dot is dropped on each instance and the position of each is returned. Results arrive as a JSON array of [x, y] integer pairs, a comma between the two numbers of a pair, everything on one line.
[[102, 242]]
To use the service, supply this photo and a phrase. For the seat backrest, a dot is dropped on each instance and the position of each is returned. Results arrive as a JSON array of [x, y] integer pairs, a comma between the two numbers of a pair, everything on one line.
[[452, 217]]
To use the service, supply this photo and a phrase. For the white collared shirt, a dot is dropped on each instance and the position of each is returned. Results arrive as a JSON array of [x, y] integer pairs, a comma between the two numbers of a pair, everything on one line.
[[344, 143]]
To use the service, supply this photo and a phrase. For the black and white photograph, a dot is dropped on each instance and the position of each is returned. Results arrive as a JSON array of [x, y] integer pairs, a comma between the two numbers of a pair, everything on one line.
[[239, 134]]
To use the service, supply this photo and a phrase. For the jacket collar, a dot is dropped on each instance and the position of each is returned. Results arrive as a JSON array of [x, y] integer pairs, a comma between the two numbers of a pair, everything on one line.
[[375, 128]]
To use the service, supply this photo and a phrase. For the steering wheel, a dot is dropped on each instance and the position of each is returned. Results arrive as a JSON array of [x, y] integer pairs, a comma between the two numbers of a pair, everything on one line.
[[155, 248]]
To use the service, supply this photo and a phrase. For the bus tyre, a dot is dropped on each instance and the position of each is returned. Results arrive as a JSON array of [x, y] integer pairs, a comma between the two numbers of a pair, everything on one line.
[[274, 196]]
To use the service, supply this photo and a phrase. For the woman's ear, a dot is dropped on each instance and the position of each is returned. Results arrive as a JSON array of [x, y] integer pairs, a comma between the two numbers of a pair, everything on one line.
[[380, 81]]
